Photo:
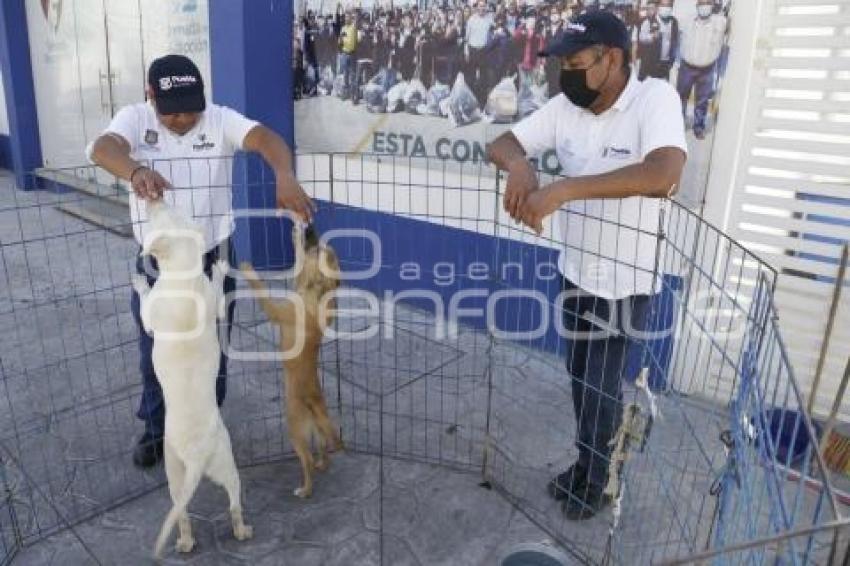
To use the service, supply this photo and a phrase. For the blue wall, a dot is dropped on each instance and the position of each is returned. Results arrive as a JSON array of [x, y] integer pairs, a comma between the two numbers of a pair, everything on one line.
[[429, 245], [251, 54], [23, 150]]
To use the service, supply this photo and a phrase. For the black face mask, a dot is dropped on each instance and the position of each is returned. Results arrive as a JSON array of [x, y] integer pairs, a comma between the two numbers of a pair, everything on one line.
[[574, 86]]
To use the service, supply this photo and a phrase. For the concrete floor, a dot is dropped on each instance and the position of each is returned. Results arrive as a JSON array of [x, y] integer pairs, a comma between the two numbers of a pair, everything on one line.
[[430, 517], [422, 419]]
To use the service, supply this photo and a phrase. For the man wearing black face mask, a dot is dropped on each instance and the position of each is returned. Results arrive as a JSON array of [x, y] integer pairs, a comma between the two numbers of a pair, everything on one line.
[[617, 139]]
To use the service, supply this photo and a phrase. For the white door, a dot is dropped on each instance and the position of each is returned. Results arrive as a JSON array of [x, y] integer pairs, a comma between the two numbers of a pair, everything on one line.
[[90, 58], [124, 46], [67, 48], [791, 200]]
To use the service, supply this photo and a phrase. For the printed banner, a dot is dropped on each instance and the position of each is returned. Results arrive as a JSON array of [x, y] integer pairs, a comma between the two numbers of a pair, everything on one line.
[[441, 78]]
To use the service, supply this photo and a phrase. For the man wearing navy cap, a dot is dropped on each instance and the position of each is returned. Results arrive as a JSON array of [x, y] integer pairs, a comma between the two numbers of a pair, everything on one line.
[[176, 140], [621, 145]]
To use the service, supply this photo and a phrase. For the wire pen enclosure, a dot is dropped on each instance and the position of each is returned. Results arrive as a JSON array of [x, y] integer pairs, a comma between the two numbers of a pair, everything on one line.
[[449, 349]]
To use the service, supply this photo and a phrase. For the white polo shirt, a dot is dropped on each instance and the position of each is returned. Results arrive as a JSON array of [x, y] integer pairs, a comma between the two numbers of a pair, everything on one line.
[[198, 164], [703, 40], [666, 31], [608, 245]]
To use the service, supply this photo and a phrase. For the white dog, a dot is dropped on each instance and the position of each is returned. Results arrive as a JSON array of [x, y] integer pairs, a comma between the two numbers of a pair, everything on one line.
[[181, 311]]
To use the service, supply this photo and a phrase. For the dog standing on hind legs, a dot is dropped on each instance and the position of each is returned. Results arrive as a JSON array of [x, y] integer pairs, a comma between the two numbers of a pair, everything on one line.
[[302, 325], [181, 310]]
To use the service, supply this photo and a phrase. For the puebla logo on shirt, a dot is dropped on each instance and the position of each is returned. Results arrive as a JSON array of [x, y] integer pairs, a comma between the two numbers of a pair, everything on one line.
[[151, 137], [613, 152], [202, 143]]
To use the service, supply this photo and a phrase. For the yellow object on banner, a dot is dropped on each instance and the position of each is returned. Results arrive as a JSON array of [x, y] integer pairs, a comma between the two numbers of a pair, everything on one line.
[[348, 39]]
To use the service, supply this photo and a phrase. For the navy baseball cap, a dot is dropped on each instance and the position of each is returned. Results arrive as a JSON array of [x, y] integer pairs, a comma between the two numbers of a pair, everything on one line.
[[177, 85], [593, 28]]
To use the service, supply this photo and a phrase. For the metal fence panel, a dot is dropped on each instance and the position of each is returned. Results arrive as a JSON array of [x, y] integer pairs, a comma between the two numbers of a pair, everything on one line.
[[727, 461]]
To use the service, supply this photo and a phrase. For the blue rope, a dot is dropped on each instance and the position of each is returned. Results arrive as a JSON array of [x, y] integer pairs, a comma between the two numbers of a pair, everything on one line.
[[736, 472]]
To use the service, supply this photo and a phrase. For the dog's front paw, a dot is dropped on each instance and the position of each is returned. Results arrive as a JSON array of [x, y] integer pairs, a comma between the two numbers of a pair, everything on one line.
[[185, 544], [140, 284], [248, 271], [243, 532], [303, 492]]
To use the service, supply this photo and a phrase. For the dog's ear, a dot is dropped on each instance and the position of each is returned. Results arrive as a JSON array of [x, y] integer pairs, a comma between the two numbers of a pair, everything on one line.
[[154, 244]]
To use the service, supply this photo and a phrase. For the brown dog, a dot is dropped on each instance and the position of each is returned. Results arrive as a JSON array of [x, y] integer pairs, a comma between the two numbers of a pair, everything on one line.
[[302, 327]]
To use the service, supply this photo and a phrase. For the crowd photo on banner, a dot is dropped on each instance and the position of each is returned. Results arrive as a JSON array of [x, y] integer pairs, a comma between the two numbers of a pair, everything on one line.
[[478, 60]]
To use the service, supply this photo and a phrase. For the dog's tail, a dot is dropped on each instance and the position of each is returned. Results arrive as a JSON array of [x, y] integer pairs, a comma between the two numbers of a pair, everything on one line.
[[187, 490]]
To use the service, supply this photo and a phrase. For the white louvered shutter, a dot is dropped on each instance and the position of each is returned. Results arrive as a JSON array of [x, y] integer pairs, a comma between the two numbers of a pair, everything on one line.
[[791, 198]]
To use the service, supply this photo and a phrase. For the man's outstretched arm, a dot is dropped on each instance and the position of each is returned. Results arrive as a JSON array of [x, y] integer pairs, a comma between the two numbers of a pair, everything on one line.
[[276, 153]]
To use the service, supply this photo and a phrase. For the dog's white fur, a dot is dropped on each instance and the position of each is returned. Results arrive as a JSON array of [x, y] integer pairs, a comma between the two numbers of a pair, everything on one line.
[[181, 311]]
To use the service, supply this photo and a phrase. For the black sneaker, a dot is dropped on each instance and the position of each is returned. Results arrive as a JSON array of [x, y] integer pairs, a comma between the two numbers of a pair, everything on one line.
[[572, 482], [148, 452], [588, 503]]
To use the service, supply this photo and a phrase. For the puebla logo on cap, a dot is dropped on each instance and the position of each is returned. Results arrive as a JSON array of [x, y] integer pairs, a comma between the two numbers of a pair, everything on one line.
[[176, 81], [183, 80], [576, 28]]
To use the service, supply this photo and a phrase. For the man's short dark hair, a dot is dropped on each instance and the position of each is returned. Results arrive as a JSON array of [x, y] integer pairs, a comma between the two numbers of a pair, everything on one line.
[[627, 59], [627, 55]]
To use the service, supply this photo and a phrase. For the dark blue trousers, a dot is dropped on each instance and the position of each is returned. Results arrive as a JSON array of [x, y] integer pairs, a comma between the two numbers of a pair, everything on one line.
[[151, 405], [701, 81], [596, 361]]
